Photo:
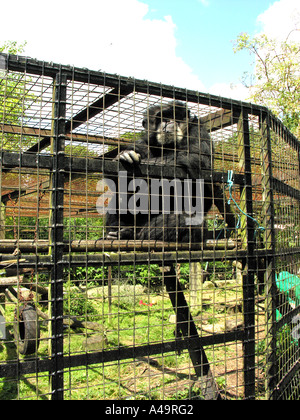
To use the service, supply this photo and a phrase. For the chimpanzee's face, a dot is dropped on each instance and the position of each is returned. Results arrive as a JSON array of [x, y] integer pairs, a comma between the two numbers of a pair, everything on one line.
[[169, 132], [167, 123]]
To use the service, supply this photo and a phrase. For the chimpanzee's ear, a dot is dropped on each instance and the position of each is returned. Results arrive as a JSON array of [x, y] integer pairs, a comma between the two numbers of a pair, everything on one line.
[[150, 116], [181, 111], [149, 123]]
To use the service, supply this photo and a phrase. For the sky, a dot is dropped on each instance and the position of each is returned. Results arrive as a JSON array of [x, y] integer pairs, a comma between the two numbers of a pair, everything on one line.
[[185, 43]]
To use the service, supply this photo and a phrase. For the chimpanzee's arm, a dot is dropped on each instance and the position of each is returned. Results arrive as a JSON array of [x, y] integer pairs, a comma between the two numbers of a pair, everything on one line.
[[134, 153]]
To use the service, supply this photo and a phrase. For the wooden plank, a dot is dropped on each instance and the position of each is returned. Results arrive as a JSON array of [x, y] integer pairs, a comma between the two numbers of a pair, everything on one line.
[[11, 281], [90, 111], [214, 121], [42, 68], [2, 221], [37, 132], [28, 245], [220, 119], [196, 285], [12, 262]]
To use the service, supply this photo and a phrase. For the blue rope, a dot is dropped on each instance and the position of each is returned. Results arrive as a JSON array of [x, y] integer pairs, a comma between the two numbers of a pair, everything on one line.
[[230, 185]]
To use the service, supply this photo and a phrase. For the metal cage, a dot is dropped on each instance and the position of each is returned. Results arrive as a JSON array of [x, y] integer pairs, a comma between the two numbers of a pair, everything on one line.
[[83, 317]]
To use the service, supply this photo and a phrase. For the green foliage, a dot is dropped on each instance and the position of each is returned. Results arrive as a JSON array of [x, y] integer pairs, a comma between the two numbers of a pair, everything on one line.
[[276, 82], [130, 296], [15, 99], [88, 274], [27, 227], [83, 228], [149, 277], [132, 136], [74, 228], [77, 304], [80, 151], [12, 47], [184, 274]]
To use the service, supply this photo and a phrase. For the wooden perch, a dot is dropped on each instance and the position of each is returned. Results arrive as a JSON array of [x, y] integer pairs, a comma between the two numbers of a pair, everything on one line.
[[19, 280], [14, 271], [11, 281], [36, 288], [8, 245], [10, 262]]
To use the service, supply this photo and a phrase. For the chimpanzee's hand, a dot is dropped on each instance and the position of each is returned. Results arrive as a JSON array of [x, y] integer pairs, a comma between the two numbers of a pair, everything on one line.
[[130, 156], [124, 233]]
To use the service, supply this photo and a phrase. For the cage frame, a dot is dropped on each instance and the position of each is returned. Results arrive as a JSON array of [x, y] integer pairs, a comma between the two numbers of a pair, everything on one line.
[[60, 164]]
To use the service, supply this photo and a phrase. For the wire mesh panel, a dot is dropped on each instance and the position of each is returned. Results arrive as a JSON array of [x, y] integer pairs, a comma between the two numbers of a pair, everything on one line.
[[149, 241]]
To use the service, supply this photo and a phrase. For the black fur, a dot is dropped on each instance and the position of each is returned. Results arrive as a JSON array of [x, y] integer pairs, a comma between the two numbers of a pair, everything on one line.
[[172, 137]]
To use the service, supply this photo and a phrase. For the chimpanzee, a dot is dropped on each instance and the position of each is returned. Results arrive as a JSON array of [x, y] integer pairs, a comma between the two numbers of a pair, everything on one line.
[[172, 137]]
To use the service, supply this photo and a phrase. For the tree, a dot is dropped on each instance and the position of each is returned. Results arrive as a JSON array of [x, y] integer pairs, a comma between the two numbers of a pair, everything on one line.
[[15, 99], [12, 47], [276, 81]]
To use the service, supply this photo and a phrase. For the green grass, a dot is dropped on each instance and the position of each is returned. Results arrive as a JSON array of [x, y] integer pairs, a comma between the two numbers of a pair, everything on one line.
[[127, 323]]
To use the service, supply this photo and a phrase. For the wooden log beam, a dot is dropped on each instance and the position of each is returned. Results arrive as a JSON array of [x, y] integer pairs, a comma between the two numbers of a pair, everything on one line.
[[9, 245], [220, 119], [213, 121], [39, 132], [11, 281]]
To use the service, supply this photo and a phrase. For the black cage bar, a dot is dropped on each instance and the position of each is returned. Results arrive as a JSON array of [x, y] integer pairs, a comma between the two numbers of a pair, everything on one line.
[[76, 304]]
